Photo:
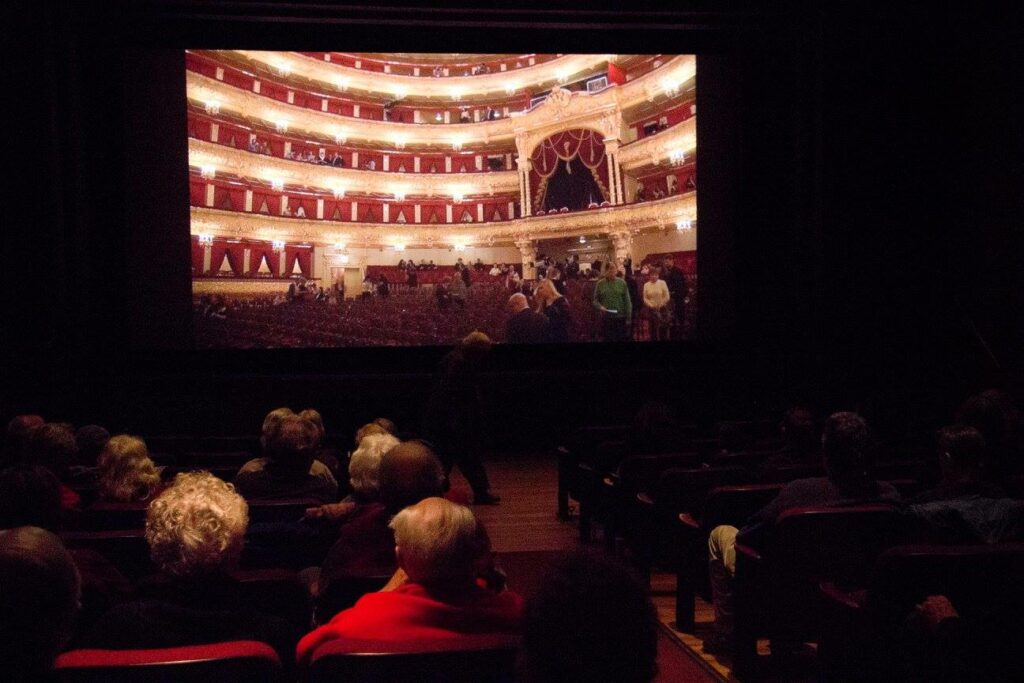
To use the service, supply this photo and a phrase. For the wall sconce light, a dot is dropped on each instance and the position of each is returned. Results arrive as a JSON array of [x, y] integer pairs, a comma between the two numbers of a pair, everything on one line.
[[213, 107], [684, 225], [277, 185], [459, 247], [676, 157], [277, 245], [208, 172], [281, 126], [205, 240], [399, 247]]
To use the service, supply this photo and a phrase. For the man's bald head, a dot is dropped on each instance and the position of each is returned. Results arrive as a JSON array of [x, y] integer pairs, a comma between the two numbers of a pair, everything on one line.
[[410, 472], [518, 302], [38, 599]]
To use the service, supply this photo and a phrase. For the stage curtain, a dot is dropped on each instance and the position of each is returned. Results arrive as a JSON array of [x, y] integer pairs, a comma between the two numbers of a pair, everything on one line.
[[585, 144]]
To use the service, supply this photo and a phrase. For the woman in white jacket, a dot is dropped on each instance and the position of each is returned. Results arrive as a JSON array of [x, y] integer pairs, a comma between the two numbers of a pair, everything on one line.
[[656, 298]]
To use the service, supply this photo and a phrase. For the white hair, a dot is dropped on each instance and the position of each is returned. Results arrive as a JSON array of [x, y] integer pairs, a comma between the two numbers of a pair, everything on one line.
[[438, 540], [197, 525], [364, 465]]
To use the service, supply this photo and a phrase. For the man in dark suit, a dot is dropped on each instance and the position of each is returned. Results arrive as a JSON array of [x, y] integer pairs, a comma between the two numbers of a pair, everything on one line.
[[675, 279], [525, 326]]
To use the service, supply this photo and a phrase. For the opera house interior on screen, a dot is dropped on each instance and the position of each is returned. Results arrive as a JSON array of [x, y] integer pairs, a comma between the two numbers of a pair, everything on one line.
[[394, 199]]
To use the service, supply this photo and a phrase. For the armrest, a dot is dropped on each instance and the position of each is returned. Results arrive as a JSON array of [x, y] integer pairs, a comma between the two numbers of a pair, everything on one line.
[[611, 481], [748, 553], [644, 500], [837, 597], [687, 521]]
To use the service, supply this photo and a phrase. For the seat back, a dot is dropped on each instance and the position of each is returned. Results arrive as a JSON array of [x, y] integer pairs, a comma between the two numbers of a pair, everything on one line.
[[286, 510], [978, 580], [684, 489], [107, 516], [125, 549], [643, 472], [466, 659], [734, 505], [814, 544], [343, 592], [241, 660]]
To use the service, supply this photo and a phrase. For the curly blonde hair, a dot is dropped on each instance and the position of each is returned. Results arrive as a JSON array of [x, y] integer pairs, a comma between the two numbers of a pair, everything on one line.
[[124, 470], [197, 526]]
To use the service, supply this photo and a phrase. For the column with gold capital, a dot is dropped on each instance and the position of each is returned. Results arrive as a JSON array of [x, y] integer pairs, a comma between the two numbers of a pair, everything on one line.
[[621, 241], [528, 251], [526, 205], [611, 150]]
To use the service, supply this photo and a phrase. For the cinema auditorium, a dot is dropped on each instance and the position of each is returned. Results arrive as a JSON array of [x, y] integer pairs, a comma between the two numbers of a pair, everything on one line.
[[393, 342]]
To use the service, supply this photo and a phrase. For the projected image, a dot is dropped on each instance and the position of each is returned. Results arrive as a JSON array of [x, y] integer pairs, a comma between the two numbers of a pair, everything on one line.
[[397, 199]]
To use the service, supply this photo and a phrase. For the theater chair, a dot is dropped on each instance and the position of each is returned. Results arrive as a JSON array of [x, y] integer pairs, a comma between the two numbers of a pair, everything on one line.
[[110, 516], [242, 660], [583, 442], [343, 592], [651, 530], [777, 594], [466, 659], [126, 549], [732, 505], [862, 627]]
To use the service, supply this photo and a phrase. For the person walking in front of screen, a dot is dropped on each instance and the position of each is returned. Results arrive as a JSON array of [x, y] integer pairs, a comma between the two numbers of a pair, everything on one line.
[[611, 297]]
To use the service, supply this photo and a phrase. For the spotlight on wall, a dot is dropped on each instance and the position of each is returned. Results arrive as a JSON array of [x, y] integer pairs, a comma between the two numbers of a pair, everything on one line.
[[458, 195], [399, 247], [684, 225], [510, 88], [205, 240], [342, 82], [277, 245], [456, 93], [208, 172], [459, 247], [339, 192], [281, 126], [457, 144], [399, 141], [340, 137], [277, 185], [213, 107], [400, 92], [670, 86], [399, 193], [676, 156], [563, 75]]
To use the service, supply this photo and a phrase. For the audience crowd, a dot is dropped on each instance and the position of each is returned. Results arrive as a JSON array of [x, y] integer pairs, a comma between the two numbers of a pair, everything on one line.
[[384, 550]]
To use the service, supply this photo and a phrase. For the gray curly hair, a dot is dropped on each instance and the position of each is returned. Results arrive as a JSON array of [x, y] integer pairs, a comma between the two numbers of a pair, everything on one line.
[[197, 525]]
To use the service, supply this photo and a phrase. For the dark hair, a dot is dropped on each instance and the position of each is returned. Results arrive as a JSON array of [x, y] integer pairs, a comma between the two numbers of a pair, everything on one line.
[[53, 445], [846, 446], [965, 444], [91, 439], [29, 496], [591, 621], [19, 433], [291, 442], [410, 472]]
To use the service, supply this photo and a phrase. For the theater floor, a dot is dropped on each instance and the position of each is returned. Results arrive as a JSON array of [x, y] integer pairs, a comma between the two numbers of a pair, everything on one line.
[[526, 533]]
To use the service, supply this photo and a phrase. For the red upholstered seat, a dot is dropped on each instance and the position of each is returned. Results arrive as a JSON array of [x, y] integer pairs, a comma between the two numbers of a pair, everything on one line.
[[777, 593], [242, 660], [467, 659]]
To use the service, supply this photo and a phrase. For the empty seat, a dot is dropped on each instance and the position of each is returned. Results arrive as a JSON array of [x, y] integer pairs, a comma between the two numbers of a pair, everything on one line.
[[242, 660], [466, 659]]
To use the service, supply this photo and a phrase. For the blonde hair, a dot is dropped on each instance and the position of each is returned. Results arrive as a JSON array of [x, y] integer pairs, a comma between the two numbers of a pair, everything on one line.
[[368, 430], [545, 293], [438, 540], [364, 465], [125, 471], [197, 525]]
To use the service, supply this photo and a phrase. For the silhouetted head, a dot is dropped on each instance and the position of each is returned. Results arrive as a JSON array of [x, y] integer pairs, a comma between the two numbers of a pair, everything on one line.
[[40, 592], [591, 621], [410, 472]]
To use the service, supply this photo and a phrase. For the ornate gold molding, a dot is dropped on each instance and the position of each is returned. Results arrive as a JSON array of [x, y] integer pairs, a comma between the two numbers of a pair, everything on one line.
[[545, 74], [602, 111], [329, 179], [627, 218], [657, 148]]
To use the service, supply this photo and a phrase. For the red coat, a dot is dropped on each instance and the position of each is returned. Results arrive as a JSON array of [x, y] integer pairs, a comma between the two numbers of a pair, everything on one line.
[[410, 613]]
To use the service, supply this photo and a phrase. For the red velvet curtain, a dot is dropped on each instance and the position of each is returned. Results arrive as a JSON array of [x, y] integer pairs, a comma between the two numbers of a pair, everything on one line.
[[273, 202], [257, 251], [197, 256], [234, 254], [408, 209], [587, 145], [197, 191], [305, 257], [337, 210]]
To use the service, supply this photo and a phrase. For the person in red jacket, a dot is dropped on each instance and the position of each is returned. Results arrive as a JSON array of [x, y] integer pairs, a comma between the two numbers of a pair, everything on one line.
[[435, 593]]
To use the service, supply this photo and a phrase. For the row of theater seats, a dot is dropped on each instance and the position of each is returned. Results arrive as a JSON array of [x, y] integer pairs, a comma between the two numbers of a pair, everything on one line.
[[842, 577], [474, 659]]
